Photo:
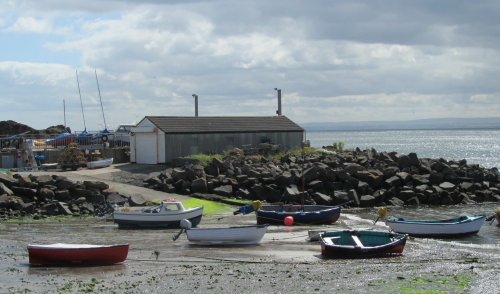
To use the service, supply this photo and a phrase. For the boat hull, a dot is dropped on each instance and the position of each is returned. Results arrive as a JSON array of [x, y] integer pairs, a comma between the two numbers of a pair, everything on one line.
[[449, 228], [100, 163], [76, 254], [242, 235], [341, 244], [309, 215], [138, 220]]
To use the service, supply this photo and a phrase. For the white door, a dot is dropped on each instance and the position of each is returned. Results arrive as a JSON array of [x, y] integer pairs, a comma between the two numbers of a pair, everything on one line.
[[146, 148]]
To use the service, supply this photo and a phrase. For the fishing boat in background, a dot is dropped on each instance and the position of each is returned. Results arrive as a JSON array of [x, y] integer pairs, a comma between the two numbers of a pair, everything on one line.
[[237, 235], [76, 254], [301, 214], [454, 227], [166, 215], [100, 163], [361, 243]]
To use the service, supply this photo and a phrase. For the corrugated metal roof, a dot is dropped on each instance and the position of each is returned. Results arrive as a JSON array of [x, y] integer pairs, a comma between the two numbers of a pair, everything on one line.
[[224, 124]]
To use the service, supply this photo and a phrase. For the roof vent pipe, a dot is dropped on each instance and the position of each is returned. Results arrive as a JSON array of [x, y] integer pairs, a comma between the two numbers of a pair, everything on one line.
[[195, 105], [278, 112]]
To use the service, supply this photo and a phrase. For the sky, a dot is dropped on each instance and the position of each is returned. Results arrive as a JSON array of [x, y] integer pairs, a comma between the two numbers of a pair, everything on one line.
[[335, 61]]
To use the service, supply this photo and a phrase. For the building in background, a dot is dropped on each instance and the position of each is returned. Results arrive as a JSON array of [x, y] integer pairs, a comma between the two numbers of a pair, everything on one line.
[[161, 139]]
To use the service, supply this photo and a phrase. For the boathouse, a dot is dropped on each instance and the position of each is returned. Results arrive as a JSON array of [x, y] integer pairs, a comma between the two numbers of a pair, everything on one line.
[[161, 139]]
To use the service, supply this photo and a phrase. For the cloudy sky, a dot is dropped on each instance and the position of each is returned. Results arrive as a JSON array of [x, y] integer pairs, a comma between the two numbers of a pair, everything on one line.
[[334, 60]]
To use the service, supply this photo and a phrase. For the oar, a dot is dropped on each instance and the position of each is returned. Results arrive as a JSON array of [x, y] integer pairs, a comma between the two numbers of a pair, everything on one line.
[[382, 212], [175, 237]]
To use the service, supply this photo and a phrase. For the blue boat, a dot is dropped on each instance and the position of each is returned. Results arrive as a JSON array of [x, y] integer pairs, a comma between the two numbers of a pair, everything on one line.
[[302, 214], [61, 139]]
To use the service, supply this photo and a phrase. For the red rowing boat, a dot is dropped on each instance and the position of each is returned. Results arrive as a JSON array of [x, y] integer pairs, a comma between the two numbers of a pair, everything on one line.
[[77, 254]]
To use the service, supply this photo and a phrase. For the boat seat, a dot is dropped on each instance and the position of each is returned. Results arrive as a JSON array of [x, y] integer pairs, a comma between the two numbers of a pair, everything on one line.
[[357, 241], [328, 241]]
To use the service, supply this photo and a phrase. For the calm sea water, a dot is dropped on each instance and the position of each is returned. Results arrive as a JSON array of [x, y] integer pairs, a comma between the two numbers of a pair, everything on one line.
[[476, 146]]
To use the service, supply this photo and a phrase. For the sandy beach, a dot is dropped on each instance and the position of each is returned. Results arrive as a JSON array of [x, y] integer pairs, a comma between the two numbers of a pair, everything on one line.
[[285, 261]]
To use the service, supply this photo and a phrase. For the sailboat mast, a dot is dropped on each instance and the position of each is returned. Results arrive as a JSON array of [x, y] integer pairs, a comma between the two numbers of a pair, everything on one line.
[[100, 99], [64, 110], [81, 103]]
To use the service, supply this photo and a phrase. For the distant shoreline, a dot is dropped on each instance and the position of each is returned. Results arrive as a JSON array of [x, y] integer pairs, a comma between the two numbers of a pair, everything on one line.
[[404, 129], [486, 123]]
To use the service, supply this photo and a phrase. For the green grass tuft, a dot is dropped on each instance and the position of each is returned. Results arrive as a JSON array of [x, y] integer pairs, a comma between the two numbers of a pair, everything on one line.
[[205, 159]]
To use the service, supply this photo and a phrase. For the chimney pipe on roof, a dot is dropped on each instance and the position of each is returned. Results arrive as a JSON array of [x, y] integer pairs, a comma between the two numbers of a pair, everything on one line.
[[278, 112], [195, 105]]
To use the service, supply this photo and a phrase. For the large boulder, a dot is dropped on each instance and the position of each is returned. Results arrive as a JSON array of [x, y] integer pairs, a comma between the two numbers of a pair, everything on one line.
[[352, 168], [367, 201], [199, 185], [179, 174], [395, 201], [310, 174], [321, 199], [5, 190], [137, 200], [63, 183], [46, 194], [406, 194], [373, 177], [62, 195], [24, 192], [393, 181], [225, 190], [7, 179], [116, 198], [11, 202], [292, 194], [447, 186], [414, 161], [43, 180], [340, 197]]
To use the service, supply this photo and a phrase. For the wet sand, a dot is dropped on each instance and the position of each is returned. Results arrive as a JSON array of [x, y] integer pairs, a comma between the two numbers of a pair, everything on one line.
[[285, 262]]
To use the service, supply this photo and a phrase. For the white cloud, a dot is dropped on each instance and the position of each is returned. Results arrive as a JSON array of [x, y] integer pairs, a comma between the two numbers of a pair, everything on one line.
[[492, 98], [30, 25]]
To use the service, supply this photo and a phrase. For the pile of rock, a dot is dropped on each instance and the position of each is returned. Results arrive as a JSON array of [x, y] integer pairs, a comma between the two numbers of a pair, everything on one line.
[[367, 178], [45, 195], [71, 157]]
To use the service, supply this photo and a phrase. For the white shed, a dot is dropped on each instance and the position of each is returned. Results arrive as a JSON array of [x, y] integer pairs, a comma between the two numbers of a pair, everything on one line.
[[147, 143]]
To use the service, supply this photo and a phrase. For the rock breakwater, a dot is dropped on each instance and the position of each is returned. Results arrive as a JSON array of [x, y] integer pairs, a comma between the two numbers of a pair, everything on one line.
[[367, 178]]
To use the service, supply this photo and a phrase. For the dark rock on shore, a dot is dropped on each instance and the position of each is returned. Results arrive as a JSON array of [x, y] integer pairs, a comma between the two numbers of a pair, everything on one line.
[[365, 177], [55, 195]]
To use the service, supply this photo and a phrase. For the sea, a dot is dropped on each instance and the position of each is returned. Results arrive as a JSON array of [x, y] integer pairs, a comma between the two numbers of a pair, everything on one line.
[[480, 146]]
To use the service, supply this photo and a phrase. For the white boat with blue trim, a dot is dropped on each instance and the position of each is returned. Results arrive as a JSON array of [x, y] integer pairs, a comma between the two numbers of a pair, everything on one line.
[[166, 215], [100, 163], [235, 235], [454, 227]]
